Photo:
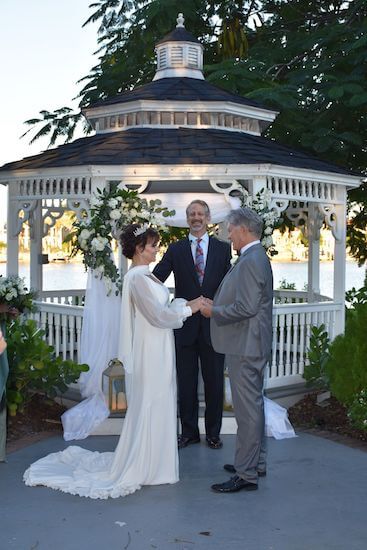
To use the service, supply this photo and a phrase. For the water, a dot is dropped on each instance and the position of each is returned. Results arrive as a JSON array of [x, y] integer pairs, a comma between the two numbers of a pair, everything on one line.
[[67, 276]]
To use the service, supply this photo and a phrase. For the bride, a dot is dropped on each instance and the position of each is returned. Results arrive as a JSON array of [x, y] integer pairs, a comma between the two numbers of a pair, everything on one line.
[[146, 453]]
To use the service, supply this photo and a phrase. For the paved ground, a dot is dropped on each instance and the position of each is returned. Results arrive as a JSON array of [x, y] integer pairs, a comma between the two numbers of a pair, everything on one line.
[[314, 498]]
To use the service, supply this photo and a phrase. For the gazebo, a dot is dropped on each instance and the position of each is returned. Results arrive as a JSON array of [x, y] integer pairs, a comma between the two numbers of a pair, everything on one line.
[[179, 134]]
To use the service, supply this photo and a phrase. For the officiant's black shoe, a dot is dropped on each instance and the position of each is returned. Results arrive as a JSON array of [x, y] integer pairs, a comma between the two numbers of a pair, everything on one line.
[[230, 468], [214, 442], [185, 441], [235, 484]]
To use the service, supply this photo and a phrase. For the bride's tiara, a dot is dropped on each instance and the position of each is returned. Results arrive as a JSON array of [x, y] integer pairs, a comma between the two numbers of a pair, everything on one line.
[[140, 230]]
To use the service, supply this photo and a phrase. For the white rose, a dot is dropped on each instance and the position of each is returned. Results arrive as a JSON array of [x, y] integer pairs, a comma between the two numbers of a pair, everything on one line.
[[112, 203], [136, 205], [84, 234], [99, 243], [115, 214], [83, 244], [133, 212], [267, 195], [268, 231], [267, 242], [8, 296]]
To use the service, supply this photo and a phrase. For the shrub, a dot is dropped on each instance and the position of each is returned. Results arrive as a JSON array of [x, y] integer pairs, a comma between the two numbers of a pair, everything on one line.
[[358, 410], [347, 366], [33, 366], [318, 356]]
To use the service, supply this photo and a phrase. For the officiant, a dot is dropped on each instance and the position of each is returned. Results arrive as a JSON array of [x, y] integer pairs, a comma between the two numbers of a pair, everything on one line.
[[199, 264]]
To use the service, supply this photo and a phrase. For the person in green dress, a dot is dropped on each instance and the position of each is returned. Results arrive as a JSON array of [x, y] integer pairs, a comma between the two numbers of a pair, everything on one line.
[[6, 312], [4, 369]]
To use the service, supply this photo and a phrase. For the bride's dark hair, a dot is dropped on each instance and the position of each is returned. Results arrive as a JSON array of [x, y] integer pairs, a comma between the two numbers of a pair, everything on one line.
[[129, 241]]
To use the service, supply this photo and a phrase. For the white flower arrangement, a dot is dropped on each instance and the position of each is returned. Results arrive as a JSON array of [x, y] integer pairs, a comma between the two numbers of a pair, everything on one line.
[[15, 294], [261, 204], [110, 212]]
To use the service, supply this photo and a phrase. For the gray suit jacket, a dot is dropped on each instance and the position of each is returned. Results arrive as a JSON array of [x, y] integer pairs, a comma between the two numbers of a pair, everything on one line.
[[241, 322]]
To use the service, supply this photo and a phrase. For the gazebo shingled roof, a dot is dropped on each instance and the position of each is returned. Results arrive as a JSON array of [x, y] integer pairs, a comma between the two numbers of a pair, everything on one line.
[[177, 89], [179, 34], [173, 146]]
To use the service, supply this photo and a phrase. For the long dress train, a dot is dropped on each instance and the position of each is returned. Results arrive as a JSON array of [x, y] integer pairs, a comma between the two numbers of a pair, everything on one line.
[[146, 453]]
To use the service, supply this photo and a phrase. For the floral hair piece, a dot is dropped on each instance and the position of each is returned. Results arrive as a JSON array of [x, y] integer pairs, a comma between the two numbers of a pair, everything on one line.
[[140, 230]]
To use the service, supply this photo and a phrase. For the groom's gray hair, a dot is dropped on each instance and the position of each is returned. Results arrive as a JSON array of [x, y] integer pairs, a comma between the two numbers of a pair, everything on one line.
[[247, 218]]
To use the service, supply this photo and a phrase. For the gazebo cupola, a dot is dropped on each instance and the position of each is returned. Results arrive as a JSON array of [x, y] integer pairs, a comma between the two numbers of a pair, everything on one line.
[[179, 53], [179, 96]]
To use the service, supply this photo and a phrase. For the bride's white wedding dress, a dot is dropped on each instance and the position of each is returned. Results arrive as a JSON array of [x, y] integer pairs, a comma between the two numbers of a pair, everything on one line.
[[146, 453]]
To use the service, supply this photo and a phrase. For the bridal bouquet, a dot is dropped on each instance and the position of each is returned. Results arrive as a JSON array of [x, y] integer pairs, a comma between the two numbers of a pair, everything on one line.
[[110, 212], [14, 296]]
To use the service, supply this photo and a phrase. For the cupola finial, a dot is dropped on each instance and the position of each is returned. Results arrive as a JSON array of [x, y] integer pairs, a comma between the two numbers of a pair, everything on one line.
[[180, 21]]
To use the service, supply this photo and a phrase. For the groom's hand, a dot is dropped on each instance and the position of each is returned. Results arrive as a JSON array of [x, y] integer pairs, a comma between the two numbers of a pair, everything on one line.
[[206, 307], [195, 304]]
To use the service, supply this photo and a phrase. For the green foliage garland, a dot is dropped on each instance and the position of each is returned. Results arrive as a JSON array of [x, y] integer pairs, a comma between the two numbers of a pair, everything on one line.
[[112, 210]]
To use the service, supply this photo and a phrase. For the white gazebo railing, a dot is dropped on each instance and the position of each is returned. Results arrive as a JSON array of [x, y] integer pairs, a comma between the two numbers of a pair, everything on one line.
[[293, 318], [67, 297], [291, 338], [62, 325]]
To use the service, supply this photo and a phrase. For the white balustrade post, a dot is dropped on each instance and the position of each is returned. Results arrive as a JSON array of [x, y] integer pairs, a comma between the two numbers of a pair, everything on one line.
[[12, 251], [313, 283], [339, 267], [36, 247]]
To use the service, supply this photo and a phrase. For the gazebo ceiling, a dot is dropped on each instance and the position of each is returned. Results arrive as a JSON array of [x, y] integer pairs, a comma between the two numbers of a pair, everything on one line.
[[155, 146]]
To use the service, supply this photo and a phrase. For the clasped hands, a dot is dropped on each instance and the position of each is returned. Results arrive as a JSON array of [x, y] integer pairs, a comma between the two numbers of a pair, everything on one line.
[[202, 304]]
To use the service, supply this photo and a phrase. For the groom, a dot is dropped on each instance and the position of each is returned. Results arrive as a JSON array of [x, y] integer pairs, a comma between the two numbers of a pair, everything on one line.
[[241, 327]]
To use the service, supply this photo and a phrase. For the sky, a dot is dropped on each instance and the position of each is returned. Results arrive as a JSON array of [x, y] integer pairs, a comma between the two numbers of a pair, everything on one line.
[[44, 51]]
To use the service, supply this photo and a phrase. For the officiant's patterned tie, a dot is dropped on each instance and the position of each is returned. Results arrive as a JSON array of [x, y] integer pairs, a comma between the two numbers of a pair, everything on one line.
[[199, 261]]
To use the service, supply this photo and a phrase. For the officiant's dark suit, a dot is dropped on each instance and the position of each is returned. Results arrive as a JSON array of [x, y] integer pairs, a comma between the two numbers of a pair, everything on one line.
[[193, 339]]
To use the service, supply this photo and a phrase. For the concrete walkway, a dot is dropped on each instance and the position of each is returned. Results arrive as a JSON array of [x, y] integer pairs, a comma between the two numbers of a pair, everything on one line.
[[313, 498]]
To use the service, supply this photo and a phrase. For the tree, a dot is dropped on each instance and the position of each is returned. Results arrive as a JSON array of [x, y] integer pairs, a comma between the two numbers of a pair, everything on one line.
[[305, 58]]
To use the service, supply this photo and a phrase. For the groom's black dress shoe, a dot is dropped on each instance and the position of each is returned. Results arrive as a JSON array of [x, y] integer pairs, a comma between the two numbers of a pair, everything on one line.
[[214, 442], [232, 469], [235, 484], [185, 441]]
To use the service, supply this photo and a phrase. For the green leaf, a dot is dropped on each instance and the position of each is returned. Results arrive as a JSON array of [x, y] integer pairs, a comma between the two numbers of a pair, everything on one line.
[[359, 99], [336, 92]]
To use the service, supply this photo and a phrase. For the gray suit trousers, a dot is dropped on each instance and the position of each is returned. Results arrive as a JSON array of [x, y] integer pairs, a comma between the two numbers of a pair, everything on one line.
[[247, 380], [2, 434]]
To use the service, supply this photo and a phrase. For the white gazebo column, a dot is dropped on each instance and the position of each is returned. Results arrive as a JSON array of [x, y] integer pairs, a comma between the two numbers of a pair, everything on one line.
[[339, 232], [36, 223], [314, 224], [12, 249]]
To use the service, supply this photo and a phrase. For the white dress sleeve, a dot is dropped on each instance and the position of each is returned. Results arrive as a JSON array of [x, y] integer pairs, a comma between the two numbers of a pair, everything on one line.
[[157, 314]]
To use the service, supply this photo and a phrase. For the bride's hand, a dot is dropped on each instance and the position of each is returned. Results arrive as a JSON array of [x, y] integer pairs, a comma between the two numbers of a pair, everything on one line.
[[195, 304]]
